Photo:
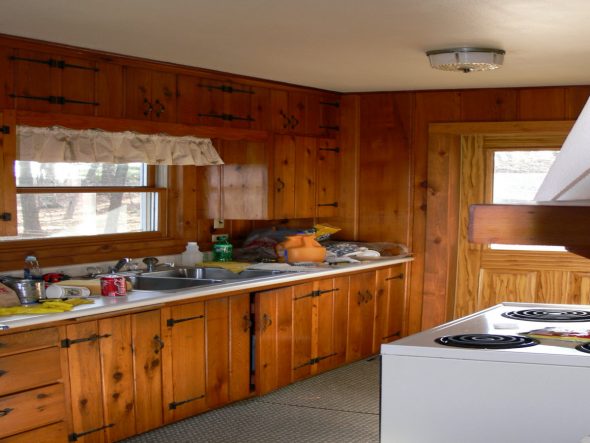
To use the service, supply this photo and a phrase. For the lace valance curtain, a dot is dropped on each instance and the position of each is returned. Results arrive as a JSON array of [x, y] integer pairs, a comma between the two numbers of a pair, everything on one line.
[[58, 145]]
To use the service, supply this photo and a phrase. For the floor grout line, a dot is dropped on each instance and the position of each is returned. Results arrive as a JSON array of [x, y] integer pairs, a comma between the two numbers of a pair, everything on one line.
[[318, 407]]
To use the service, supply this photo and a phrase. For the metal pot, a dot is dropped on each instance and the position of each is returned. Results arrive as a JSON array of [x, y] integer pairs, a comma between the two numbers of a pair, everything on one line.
[[28, 291]]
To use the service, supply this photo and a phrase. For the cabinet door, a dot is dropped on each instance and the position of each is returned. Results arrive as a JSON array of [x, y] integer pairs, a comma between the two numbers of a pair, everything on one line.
[[109, 90], [117, 376], [147, 363], [390, 305], [361, 314], [329, 115], [138, 93], [328, 178], [240, 349], [332, 323], [284, 176], [245, 181], [305, 177], [217, 352], [163, 87], [8, 222], [273, 339], [49, 83], [304, 338], [85, 382], [183, 358], [6, 78]]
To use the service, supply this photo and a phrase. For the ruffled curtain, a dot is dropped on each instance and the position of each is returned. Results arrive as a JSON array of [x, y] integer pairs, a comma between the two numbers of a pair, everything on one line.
[[62, 145]]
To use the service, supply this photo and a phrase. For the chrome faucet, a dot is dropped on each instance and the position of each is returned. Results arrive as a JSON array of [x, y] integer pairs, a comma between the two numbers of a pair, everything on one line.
[[150, 263], [119, 265]]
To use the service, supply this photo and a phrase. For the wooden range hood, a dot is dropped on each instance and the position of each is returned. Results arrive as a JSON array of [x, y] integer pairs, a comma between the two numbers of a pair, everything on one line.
[[534, 224]]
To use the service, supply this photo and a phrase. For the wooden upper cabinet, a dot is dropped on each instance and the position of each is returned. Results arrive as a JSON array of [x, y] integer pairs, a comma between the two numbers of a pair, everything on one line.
[[239, 189], [53, 83], [328, 177], [221, 102], [8, 224], [295, 112], [150, 95], [109, 89]]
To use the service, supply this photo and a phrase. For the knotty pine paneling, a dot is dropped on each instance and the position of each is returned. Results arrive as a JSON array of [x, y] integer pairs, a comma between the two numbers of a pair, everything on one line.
[[575, 99], [482, 105], [541, 104], [499, 286]]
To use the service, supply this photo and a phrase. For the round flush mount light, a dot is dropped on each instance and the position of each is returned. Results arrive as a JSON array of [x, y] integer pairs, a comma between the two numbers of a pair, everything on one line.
[[466, 59]]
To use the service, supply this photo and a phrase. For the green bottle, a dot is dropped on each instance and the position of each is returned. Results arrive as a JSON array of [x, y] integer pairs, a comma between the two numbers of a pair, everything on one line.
[[222, 249]]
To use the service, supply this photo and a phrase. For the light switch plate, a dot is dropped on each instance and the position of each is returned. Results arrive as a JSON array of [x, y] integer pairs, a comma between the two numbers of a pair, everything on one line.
[[218, 223]]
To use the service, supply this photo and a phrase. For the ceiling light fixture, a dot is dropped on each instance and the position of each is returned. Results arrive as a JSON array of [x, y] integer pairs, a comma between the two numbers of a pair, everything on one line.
[[466, 59]]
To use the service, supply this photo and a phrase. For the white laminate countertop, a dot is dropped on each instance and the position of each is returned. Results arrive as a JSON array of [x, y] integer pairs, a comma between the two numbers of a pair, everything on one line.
[[137, 299]]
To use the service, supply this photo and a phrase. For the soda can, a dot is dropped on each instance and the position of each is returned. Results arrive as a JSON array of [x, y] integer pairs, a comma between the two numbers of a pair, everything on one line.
[[113, 286]]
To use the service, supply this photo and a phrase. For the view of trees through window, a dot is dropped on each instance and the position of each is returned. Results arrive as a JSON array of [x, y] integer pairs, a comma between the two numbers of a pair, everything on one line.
[[517, 176], [71, 199]]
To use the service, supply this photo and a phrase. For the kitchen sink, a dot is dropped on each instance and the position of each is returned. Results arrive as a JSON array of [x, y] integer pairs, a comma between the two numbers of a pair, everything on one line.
[[141, 283], [182, 277]]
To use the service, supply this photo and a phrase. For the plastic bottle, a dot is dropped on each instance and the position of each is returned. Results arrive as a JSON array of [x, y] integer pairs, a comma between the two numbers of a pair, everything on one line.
[[222, 249], [191, 256], [32, 271]]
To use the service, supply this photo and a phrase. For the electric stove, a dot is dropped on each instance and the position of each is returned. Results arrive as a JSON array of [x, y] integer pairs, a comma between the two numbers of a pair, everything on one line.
[[483, 379]]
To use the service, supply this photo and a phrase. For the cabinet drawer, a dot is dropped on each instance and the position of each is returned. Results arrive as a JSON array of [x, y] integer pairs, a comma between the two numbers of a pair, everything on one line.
[[27, 341], [31, 409], [29, 369], [54, 433]]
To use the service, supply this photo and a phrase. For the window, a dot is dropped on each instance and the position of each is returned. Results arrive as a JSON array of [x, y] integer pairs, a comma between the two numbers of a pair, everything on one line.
[[84, 199], [516, 178]]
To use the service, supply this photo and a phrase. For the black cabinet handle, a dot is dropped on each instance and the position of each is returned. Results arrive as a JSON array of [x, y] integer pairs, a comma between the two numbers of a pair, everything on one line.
[[4, 412], [159, 342], [149, 108], [6, 216], [160, 109]]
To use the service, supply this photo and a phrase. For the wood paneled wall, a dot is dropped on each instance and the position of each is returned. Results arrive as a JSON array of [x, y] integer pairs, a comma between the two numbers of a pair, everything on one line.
[[394, 161]]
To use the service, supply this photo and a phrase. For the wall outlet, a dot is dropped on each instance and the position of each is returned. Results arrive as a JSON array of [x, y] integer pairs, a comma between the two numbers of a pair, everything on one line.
[[216, 237], [218, 223]]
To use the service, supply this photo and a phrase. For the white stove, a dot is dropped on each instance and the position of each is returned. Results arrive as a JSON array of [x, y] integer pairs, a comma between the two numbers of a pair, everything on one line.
[[483, 379]]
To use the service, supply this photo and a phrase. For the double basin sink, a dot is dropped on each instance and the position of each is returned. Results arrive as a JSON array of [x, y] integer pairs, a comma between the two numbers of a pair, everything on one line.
[[179, 278]]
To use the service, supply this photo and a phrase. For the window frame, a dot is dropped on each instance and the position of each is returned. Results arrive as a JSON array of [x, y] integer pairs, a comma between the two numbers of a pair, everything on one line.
[[174, 204]]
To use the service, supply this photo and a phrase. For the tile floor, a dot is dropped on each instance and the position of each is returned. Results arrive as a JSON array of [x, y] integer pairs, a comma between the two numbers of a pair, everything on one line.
[[338, 406]]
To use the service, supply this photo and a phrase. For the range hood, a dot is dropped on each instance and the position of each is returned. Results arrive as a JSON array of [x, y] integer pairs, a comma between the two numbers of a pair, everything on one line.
[[560, 215]]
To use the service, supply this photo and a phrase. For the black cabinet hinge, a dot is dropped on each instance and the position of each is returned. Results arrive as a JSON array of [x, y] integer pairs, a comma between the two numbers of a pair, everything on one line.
[[5, 129], [54, 100], [315, 360], [313, 294], [331, 128], [228, 89], [333, 104], [228, 117], [335, 204], [396, 277], [76, 435], [172, 321], [175, 404], [53, 63], [66, 343], [336, 150]]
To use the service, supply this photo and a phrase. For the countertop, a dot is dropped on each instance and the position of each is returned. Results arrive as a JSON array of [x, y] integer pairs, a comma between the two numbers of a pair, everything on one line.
[[138, 299]]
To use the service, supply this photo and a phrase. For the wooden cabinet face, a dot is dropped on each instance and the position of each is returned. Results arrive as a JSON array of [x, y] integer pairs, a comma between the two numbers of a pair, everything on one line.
[[109, 90], [6, 78], [361, 313], [150, 95], [390, 305], [273, 311], [329, 115], [305, 177], [8, 222], [328, 178], [239, 347], [284, 176], [48, 83], [183, 328], [222, 102], [217, 352], [304, 345]]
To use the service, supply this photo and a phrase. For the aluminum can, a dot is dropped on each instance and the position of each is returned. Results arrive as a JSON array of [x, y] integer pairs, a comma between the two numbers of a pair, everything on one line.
[[113, 286]]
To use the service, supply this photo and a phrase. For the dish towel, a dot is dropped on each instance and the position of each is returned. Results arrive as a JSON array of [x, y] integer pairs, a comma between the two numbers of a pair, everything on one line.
[[48, 307]]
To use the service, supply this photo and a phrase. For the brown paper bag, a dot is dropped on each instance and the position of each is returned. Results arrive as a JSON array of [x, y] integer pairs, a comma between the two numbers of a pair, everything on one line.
[[8, 297]]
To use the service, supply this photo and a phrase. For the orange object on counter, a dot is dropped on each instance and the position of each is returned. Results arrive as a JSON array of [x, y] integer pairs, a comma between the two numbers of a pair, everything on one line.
[[301, 248]]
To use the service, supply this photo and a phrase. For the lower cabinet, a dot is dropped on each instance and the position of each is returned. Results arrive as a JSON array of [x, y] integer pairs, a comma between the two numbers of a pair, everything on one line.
[[300, 331], [123, 398], [361, 316], [390, 305]]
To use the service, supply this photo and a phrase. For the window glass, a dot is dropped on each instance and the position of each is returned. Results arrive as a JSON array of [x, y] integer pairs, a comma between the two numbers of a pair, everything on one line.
[[46, 208], [33, 174], [517, 176]]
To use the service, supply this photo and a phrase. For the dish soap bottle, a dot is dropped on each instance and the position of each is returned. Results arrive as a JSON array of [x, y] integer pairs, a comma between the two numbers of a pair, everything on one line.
[[191, 256], [222, 249], [32, 271]]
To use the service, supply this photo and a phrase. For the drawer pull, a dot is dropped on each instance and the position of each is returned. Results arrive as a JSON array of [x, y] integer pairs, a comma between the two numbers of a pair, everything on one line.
[[172, 321], [66, 343], [4, 412], [266, 322], [159, 343], [76, 435], [398, 277]]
